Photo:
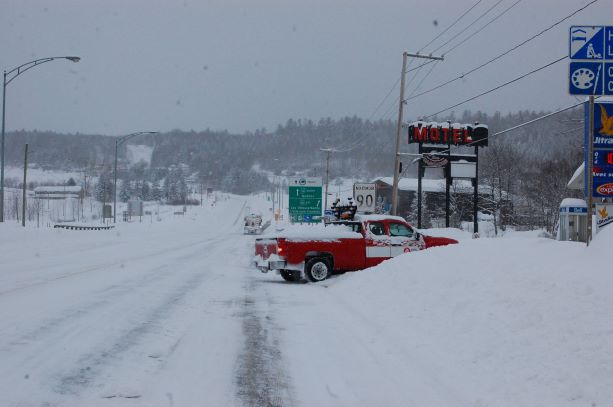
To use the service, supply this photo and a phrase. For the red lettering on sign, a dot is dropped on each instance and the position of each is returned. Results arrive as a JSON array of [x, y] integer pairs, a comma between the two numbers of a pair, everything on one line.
[[457, 136], [434, 136], [605, 189], [420, 133], [445, 134]]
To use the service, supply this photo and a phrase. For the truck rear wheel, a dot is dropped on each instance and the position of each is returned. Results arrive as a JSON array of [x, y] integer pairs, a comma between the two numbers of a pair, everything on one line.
[[317, 269], [290, 275]]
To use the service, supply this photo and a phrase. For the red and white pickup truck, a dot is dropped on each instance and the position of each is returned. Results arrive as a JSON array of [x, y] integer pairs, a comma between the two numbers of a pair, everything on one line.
[[316, 251]]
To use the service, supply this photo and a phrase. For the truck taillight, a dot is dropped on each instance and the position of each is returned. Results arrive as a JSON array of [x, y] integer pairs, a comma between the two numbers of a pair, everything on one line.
[[279, 250]]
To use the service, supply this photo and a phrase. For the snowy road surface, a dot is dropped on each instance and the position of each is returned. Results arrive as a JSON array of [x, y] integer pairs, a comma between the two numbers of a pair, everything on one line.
[[172, 314]]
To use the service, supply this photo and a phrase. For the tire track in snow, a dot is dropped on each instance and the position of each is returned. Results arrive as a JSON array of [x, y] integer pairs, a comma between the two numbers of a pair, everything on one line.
[[100, 267], [91, 365], [261, 379], [34, 346], [108, 294]]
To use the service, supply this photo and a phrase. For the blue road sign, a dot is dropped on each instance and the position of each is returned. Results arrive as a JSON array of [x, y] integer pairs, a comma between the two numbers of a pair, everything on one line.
[[608, 43], [585, 78], [586, 42], [608, 77]]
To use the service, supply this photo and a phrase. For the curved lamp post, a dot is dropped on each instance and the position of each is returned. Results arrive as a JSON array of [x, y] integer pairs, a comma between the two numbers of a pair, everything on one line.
[[118, 142], [8, 78]]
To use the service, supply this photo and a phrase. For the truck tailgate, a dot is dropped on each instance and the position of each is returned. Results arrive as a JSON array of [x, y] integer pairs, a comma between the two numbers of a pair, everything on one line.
[[265, 247]]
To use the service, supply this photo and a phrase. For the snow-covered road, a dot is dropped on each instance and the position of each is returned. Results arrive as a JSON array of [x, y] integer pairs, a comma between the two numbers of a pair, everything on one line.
[[171, 313], [154, 314]]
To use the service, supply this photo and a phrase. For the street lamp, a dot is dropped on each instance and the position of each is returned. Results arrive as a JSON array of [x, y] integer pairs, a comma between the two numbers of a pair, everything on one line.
[[118, 142], [8, 78]]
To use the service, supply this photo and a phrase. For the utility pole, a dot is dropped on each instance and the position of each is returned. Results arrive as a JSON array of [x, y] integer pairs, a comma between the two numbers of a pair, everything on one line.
[[401, 104], [25, 172], [327, 151]]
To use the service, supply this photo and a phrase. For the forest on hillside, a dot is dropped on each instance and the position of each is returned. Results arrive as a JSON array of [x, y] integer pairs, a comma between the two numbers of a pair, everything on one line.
[[529, 166]]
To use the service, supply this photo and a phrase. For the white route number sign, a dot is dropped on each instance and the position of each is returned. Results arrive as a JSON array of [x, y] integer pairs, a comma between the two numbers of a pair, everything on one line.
[[364, 197]]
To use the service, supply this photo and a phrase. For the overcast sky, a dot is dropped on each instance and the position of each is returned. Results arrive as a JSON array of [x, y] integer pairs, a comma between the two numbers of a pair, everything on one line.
[[248, 64]]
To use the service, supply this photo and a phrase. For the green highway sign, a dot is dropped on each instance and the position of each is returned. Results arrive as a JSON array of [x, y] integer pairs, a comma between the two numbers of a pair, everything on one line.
[[305, 203]]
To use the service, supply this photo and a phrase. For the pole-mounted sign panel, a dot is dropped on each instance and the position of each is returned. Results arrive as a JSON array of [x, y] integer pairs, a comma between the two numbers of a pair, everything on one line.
[[602, 154], [448, 134], [305, 203], [364, 196], [591, 54]]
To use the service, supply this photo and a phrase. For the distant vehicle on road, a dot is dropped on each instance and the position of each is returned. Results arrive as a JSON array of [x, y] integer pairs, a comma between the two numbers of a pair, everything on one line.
[[344, 245], [253, 224]]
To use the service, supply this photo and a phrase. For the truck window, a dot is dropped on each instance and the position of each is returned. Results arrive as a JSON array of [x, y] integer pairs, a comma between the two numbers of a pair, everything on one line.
[[376, 228], [398, 229]]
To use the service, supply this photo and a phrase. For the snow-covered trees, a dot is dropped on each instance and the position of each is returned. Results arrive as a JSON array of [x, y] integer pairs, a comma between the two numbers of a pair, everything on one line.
[[103, 190]]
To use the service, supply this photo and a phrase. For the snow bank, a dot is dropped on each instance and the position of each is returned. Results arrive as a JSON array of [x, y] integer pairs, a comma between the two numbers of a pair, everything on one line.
[[505, 322]]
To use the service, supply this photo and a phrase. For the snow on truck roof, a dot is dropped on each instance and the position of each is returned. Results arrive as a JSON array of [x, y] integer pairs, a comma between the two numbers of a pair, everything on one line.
[[374, 218], [313, 232]]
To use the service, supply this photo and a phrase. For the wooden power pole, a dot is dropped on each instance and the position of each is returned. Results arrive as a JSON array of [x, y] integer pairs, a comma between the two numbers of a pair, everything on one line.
[[403, 73]]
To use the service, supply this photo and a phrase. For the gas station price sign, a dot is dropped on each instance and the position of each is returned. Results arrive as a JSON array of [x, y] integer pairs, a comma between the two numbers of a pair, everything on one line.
[[603, 158]]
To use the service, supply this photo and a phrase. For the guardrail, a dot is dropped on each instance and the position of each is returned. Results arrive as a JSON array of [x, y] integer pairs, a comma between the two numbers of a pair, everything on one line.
[[74, 227]]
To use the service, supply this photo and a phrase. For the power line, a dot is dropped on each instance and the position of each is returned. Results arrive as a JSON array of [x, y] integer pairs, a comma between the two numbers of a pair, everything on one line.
[[390, 109], [423, 79], [482, 28], [426, 63], [469, 25], [419, 66], [450, 26], [498, 87], [384, 99], [462, 76], [466, 39]]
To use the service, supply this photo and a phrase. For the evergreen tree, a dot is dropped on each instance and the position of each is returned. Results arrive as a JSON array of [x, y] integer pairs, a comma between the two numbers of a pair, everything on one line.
[[103, 190], [145, 191], [124, 191], [156, 191]]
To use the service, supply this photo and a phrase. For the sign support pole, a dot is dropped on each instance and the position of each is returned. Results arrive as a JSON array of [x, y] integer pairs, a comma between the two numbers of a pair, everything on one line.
[[420, 170], [590, 170], [448, 181], [476, 193]]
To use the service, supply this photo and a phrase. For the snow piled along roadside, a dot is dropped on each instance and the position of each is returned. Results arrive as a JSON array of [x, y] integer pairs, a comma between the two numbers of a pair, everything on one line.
[[510, 321]]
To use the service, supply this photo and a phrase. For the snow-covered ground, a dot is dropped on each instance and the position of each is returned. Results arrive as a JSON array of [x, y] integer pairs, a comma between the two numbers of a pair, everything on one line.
[[172, 313]]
